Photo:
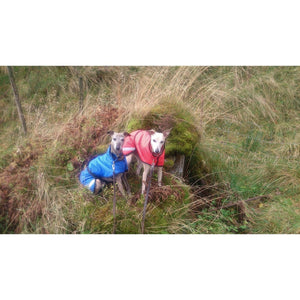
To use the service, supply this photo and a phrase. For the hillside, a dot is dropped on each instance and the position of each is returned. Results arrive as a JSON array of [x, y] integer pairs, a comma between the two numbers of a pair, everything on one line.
[[238, 128]]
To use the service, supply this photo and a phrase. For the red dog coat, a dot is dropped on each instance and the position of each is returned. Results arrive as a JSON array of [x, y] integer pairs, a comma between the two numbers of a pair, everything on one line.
[[139, 141]]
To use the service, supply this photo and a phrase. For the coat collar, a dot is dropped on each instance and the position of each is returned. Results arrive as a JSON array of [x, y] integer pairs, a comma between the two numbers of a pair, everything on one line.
[[113, 156]]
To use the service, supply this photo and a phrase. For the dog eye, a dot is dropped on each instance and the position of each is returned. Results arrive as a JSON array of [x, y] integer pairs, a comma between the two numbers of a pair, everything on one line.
[[161, 142], [114, 139], [122, 140], [154, 141]]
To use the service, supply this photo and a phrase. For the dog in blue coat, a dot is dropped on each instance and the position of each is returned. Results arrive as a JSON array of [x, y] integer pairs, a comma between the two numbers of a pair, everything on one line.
[[99, 171]]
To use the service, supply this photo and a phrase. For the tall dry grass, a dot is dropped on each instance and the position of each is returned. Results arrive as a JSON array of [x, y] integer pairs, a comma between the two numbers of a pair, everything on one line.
[[246, 116]]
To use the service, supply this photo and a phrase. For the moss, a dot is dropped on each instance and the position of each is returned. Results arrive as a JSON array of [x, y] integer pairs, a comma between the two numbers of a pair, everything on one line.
[[160, 212], [184, 138], [184, 134], [169, 163], [134, 124]]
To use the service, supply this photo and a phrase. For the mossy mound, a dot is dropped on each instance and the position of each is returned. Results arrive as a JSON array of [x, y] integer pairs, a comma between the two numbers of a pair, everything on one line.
[[184, 138], [184, 135]]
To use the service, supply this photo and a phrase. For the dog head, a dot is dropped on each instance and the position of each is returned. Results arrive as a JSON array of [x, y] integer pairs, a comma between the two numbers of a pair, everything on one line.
[[117, 141], [158, 140]]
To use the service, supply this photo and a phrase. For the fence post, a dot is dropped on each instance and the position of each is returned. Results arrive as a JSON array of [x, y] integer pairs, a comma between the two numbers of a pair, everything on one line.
[[80, 93], [178, 168], [17, 98]]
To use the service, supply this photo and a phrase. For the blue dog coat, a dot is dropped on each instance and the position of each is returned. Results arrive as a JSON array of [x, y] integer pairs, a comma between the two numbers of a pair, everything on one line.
[[101, 167]]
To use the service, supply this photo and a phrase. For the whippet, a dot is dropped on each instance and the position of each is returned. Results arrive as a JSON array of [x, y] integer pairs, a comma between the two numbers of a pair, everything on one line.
[[100, 170], [148, 146]]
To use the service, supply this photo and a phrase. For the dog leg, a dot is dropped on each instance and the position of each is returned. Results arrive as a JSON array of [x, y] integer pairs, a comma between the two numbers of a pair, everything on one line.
[[120, 185], [144, 178], [99, 185], [126, 184], [139, 167], [159, 175], [129, 160]]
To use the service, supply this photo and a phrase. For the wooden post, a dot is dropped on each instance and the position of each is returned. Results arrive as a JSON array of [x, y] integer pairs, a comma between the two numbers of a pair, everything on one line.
[[80, 93], [178, 168], [17, 98]]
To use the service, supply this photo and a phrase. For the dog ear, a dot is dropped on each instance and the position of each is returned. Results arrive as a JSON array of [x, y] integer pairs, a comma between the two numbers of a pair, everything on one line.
[[167, 132], [111, 133], [125, 133], [151, 131]]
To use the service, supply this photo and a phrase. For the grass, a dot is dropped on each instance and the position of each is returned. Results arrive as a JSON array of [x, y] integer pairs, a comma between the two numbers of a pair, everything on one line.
[[242, 124]]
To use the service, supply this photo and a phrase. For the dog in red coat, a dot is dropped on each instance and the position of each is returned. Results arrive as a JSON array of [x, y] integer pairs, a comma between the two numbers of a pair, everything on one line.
[[148, 146]]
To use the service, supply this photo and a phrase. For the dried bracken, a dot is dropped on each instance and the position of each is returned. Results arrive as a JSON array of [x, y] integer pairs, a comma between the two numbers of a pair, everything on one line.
[[20, 205]]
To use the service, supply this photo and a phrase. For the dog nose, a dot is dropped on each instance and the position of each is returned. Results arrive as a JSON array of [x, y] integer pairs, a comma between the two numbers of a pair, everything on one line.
[[118, 148], [156, 150]]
